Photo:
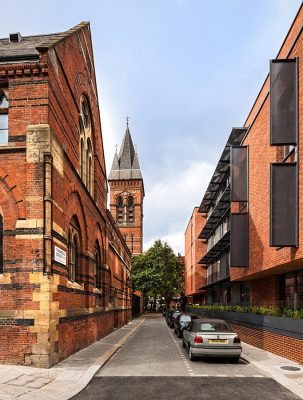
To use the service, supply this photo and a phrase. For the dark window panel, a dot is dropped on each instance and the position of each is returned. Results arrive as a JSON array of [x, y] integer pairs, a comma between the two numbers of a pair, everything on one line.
[[239, 174], [284, 205], [283, 102], [239, 240], [1, 243]]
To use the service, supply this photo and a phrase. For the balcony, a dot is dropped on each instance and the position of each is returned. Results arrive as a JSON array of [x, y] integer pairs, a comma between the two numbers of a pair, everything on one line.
[[216, 250], [221, 206]]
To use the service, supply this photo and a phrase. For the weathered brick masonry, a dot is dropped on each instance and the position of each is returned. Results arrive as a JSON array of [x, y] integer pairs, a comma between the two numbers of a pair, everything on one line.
[[53, 193]]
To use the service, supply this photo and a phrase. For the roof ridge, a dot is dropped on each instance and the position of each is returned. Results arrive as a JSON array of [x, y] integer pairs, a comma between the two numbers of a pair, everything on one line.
[[61, 36]]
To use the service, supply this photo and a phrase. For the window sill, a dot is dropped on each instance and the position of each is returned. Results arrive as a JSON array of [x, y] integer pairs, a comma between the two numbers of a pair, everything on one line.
[[96, 290], [75, 285]]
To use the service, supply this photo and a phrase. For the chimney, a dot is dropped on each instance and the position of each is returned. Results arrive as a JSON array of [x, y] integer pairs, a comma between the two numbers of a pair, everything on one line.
[[14, 37]]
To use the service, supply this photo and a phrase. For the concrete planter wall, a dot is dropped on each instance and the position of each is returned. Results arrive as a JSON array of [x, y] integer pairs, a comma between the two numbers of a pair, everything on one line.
[[281, 325]]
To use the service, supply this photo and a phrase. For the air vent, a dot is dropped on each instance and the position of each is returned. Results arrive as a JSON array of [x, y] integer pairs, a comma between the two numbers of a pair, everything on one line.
[[14, 37]]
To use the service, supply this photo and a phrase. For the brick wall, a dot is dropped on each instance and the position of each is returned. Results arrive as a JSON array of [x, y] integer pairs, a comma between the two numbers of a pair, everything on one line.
[[283, 346], [194, 250], [44, 317]]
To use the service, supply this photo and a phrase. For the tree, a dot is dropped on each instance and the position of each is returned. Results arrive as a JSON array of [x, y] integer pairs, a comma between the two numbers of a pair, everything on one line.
[[158, 272]]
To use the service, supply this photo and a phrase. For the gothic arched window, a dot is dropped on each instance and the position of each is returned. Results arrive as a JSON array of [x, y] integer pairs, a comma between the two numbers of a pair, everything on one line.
[[73, 251], [3, 118], [89, 166], [1, 243], [130, 209], [97, 267], [86, 149], [120, 210]]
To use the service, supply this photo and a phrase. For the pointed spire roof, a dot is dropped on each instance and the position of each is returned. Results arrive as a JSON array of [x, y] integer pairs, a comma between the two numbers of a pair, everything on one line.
[[126, 164]]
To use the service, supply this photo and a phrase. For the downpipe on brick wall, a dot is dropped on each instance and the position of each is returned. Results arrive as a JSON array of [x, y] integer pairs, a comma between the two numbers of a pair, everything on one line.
[[47, 210]]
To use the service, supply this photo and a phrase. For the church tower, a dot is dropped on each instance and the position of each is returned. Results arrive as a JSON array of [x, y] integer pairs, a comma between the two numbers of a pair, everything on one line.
[[127, 194]]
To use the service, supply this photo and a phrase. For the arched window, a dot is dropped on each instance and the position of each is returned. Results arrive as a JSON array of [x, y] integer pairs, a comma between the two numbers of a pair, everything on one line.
[[86, 149], [97, 267], [106, 287], [73, 251], [82, 158], [3, 118], [1, 244], [120, 210], [89, 167], [130, 209]]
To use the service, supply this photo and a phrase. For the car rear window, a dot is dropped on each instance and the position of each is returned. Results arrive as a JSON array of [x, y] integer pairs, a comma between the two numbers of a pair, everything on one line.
[[185, 318], [212, 327]]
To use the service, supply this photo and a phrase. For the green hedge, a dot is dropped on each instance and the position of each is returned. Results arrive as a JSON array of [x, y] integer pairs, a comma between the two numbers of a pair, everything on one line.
[[273, 311]]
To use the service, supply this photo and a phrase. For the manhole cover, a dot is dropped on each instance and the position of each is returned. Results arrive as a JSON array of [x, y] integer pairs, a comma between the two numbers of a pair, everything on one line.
[[290, 368]]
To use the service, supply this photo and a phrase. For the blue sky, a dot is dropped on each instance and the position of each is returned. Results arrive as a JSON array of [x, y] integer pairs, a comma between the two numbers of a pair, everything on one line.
[[185, 71]]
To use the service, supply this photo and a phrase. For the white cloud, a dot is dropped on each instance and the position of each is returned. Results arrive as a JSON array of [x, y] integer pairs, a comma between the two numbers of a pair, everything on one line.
[[169, 204]]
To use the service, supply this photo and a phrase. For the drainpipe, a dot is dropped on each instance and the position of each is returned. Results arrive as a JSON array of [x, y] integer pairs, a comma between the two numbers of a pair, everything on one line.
[[47, 205]]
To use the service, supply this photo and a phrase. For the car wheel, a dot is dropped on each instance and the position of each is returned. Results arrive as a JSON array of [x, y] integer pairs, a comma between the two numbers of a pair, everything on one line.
[[183, 344], [180, 334], [190, 354]]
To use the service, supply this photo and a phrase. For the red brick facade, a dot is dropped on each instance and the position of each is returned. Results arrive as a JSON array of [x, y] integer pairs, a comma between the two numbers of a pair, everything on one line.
[[53, 194], [194, 277], [272, 276], [127, 194]]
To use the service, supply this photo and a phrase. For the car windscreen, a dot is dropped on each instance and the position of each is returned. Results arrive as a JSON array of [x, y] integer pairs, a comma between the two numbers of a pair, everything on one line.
[[185, 318], [211, 327]]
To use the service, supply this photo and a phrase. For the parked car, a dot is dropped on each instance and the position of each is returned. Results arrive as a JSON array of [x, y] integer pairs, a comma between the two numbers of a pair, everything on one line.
[[211, 337], [171, 318], [168, 315], [181, 323]]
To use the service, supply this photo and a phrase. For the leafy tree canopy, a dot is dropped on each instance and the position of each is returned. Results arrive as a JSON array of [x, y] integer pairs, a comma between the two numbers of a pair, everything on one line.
[[158, 272]]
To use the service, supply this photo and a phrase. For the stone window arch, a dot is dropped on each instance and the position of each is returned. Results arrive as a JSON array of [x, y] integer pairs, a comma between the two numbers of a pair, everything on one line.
[[120, 210], [73, 251], [130, 209], [3, 118], [1, 243]]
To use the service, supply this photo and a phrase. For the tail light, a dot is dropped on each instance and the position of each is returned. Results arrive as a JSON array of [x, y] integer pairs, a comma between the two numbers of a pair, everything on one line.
[[198, 339], [237, 339]]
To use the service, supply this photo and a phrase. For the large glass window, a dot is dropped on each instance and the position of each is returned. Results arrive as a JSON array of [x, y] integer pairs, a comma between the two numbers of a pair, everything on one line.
[[3, 119]]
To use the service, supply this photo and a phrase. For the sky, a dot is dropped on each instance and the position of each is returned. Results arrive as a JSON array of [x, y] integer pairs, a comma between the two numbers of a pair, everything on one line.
[[184, 71]]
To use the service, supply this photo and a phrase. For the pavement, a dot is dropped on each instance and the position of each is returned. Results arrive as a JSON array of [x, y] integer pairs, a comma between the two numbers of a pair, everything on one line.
[[72, 375]]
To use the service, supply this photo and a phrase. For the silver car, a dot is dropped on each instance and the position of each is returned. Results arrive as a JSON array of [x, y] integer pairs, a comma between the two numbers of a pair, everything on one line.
[[211, 337]]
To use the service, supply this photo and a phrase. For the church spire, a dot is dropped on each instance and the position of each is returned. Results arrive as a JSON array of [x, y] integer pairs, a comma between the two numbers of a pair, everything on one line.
[[126, 164]]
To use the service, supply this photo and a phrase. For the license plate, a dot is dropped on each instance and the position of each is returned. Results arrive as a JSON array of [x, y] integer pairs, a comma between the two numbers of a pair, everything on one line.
[[218, 341]]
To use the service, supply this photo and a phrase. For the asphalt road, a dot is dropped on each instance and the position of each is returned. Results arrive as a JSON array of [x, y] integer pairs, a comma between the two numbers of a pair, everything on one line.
[[152, 365]]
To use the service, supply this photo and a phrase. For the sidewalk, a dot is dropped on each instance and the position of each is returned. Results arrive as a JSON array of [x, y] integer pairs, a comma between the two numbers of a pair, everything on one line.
[[67, 378], [271, 365]]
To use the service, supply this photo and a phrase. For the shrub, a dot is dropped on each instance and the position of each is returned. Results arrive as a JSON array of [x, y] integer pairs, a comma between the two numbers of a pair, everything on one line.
[[258, 310]]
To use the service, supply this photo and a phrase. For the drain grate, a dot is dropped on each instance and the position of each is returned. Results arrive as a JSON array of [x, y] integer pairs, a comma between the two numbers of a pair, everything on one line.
[[290, 368]]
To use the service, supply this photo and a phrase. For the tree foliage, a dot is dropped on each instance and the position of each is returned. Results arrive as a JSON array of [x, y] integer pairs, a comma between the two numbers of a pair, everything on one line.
[[158, 272]]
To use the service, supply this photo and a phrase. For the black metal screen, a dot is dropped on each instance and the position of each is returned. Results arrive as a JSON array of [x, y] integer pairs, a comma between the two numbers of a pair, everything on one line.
[[239, 173], [283, 205], [283, 102], [239, 240]]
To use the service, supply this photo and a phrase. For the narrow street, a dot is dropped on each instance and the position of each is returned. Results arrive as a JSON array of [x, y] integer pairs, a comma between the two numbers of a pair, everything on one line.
[[153, 365]]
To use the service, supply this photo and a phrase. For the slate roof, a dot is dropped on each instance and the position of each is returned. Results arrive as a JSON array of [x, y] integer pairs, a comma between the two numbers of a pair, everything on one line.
[[126, 164], [27, 48]]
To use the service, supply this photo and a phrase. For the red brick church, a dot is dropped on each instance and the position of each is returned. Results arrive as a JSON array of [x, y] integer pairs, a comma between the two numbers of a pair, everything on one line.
[[64, 263]]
